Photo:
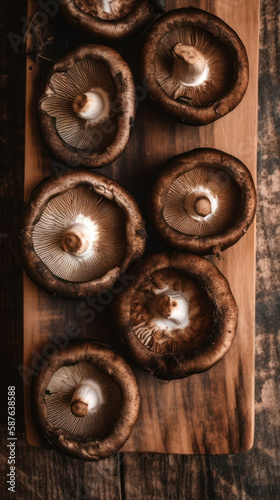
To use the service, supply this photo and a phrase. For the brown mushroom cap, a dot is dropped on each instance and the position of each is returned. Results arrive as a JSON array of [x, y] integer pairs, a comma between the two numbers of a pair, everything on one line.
[[92, 76], [101, 431], [202, 201], [117, 20], [195, 65], [177, 317], [53, 249]]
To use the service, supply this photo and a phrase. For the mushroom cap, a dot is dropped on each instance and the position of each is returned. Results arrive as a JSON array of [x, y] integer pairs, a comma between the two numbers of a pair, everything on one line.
[[114, 217], [227, 74], [185, 180], [122, 19], [97, 70], [197, 344], [101, 433]]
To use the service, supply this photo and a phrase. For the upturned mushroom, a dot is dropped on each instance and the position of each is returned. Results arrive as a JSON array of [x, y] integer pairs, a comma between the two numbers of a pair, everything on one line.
[[88, 107], [195, 66], [202, 201], [112, 19], [178, 317], [80, 232], [85, 401]]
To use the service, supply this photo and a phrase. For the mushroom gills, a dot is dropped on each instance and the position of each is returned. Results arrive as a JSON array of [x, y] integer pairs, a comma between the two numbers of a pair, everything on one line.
[[204, 201], [107, 9], [192, 65], [83, 400], [172, 313], [80, 235], [84, 114]]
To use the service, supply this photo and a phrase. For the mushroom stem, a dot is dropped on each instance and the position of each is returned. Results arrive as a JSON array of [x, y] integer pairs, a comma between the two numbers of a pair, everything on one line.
[[89, 106], [166, 305], [172, 308], [202, 206], [86, 398], [190, 66], [76, 239], [106, 6]]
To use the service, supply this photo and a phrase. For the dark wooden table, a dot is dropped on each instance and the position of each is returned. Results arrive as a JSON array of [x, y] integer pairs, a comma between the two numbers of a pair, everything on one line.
[[45, 474]]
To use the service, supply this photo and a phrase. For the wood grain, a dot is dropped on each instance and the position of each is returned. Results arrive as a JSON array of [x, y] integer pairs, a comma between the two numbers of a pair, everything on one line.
[[45, 475], [253, 475], [206, 413]]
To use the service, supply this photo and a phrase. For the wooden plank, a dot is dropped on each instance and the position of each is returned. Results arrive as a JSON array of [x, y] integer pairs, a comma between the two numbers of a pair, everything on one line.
[[207, 413], [253, 475]]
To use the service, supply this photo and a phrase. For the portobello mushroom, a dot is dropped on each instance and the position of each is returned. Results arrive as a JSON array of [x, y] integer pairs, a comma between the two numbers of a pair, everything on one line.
[[195, 66], [202, 201], [178, 317], [88, 107], [112, 19], [80, 232], [85, 401]]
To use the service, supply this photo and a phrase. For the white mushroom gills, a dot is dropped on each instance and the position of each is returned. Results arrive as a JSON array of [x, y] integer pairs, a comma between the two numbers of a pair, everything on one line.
[[83, 400], [81, 234], [190, 66], [89, 106], [86, 398], [170, 309]]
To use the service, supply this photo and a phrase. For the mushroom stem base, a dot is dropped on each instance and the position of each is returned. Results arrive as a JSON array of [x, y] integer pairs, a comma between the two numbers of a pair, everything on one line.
[[76, 239], [86, 398], [170, 309]]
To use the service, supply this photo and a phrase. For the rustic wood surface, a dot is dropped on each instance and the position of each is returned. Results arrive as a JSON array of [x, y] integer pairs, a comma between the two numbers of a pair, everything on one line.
[[41, 474], [206, 413]]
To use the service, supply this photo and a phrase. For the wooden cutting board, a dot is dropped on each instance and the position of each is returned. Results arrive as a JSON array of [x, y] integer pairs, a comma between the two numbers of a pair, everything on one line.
[[207, 413]]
